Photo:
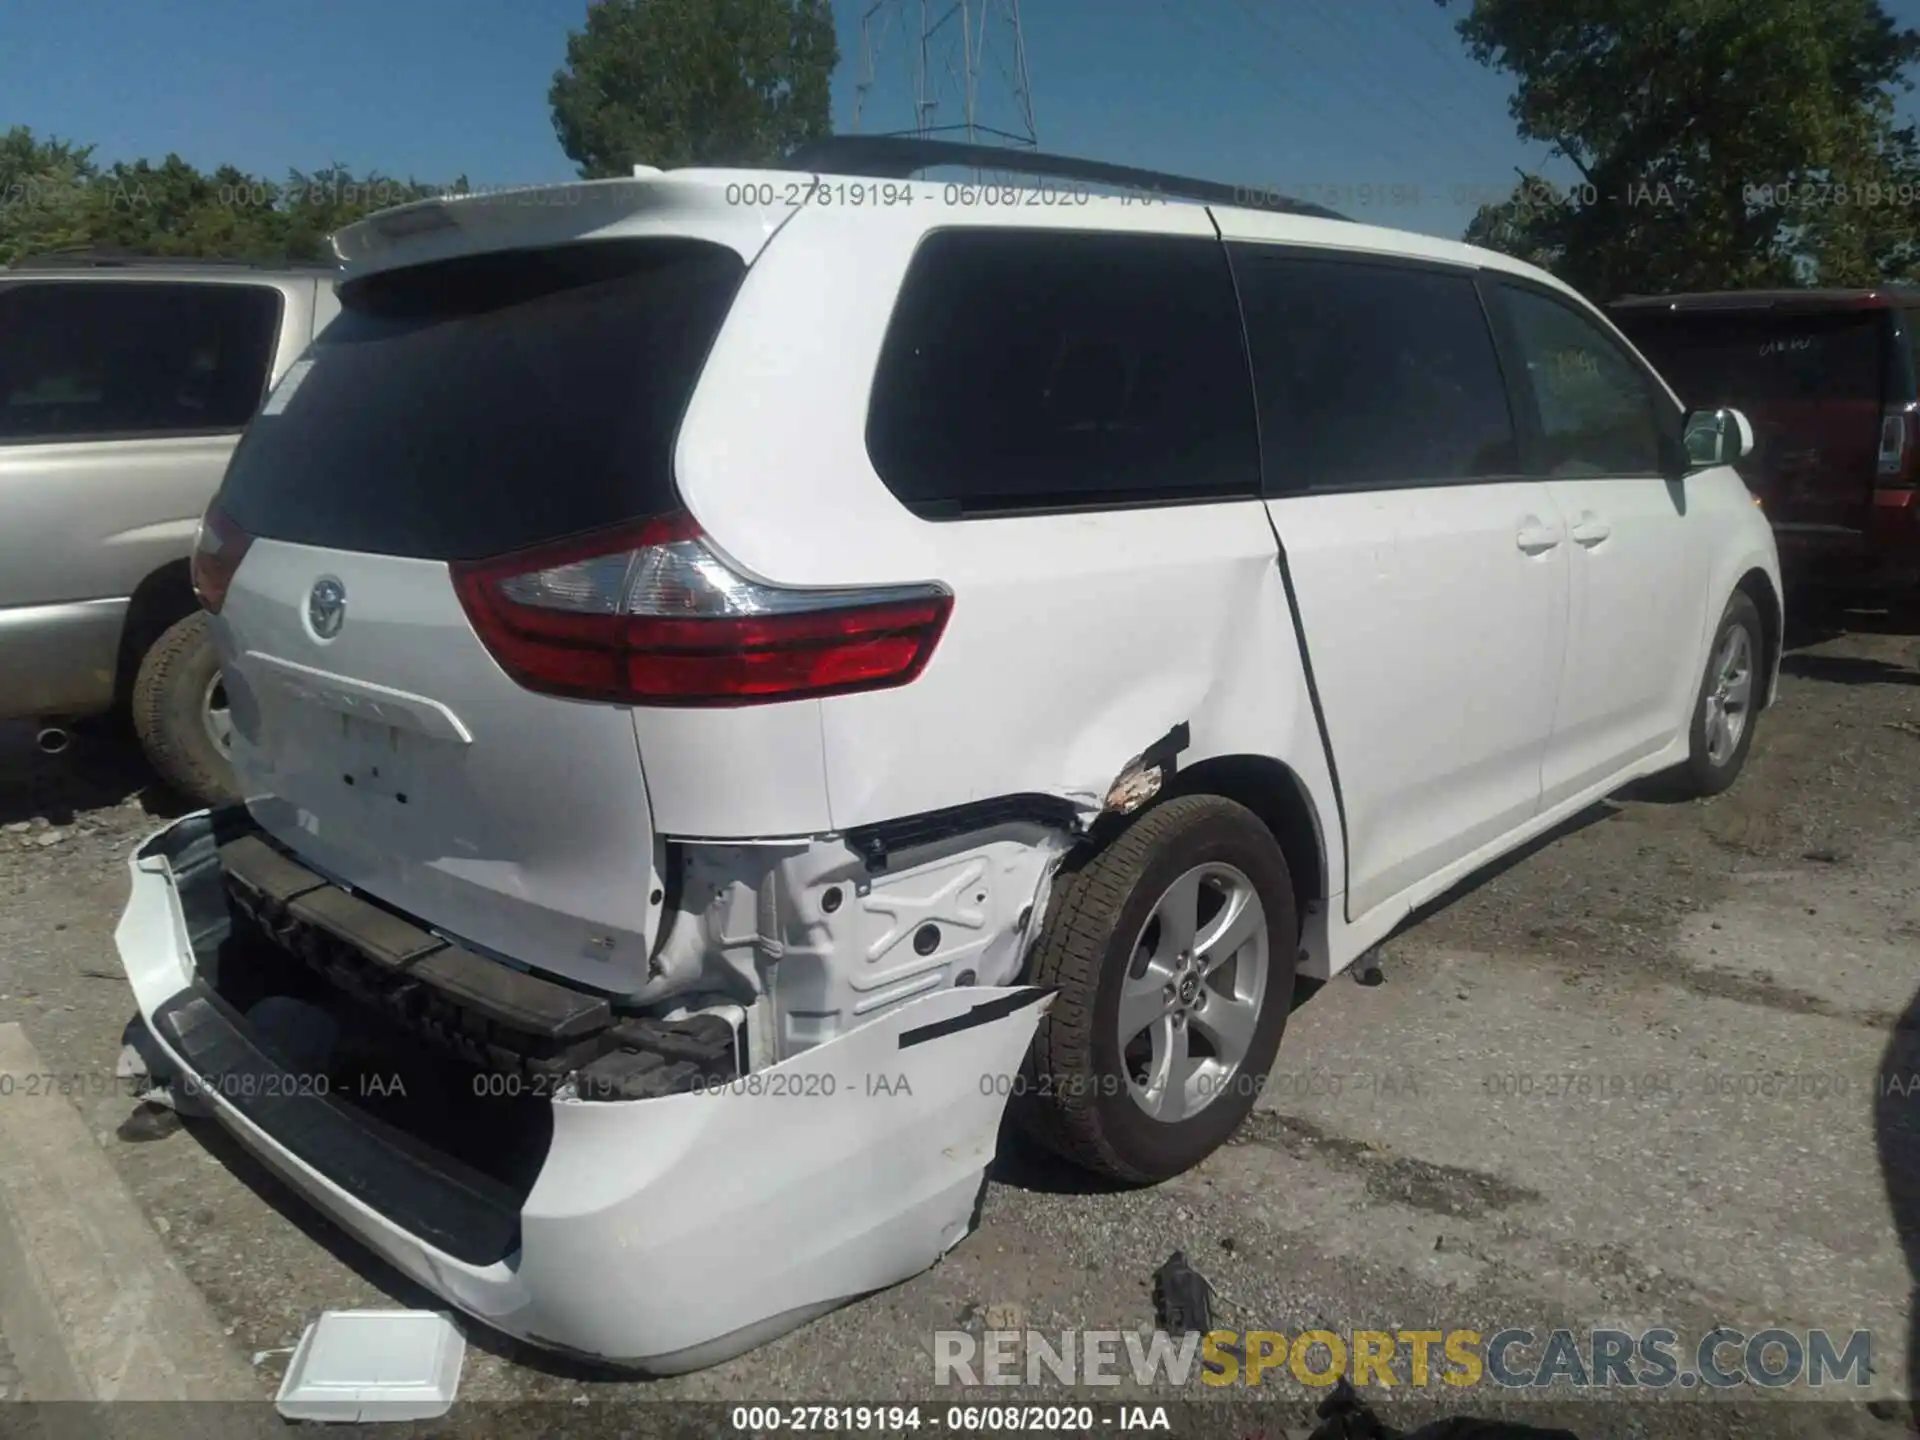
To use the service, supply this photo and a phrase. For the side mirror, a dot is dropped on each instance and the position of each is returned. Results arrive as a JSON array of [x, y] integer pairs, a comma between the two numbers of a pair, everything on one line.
[[1717, 437]]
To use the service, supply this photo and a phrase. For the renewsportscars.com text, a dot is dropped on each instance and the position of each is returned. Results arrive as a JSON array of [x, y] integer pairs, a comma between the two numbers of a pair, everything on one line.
[[1513, 1358]]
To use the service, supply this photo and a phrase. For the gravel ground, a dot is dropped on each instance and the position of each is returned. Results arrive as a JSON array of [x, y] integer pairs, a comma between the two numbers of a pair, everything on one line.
[[1648, 1073]]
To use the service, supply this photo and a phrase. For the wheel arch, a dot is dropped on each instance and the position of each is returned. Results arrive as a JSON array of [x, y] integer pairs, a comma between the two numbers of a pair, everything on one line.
[[1274, 791], [159, 602], [1758, 587]]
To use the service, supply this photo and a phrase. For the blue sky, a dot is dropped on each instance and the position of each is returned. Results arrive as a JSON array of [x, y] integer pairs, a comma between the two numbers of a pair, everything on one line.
[[1312, 97]]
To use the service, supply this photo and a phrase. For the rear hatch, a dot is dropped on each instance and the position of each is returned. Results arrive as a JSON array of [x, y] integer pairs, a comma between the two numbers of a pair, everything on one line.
[[457, 412], [1816, 386]]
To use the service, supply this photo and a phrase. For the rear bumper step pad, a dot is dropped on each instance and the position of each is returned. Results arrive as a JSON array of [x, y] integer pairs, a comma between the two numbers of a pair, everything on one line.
[[513, 998], [490, 1014], [469, 1216]]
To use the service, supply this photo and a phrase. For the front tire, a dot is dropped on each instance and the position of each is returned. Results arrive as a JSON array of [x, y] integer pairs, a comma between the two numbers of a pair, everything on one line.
[[180, 716], [1727, 708], [1172, 953]]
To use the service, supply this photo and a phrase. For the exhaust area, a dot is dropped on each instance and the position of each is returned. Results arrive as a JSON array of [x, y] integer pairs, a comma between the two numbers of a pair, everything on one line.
[[52, 739]]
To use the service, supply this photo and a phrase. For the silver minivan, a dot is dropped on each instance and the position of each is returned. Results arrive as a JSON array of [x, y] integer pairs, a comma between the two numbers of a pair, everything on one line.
[[124, 385]]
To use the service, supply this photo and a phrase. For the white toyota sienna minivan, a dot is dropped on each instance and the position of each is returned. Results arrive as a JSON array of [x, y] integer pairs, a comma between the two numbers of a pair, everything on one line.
[[743, 679]]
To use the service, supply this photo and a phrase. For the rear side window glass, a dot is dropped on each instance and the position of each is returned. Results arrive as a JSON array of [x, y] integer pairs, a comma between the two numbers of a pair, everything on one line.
[[1596, 408], [124, 359], [1371, 376], [469, 408], [1715, 359], [1036, 370]]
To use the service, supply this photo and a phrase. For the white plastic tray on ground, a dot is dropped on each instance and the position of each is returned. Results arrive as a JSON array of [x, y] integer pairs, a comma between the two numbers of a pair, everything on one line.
[[376, 1365]]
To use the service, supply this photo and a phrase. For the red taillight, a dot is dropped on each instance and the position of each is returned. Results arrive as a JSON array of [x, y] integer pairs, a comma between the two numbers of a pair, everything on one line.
[[217, 553], [1899, 446], [652, 615]]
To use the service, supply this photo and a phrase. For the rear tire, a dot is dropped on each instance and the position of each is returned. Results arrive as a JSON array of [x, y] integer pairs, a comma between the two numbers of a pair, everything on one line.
[[1113, 931], [1726, 709], [178, 677]]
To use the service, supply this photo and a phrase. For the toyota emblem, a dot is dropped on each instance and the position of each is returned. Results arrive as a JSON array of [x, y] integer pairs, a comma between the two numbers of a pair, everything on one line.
[[327, 607]]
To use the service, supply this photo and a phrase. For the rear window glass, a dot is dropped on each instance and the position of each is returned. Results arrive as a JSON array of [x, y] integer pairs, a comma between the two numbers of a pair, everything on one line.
[[1036, 370], [470, 408], [107, 360], [1713, 360]]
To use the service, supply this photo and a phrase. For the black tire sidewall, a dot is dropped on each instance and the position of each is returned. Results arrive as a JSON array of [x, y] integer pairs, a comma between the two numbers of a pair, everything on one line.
[[1146, 1145], [168, 698], [1708, 778]]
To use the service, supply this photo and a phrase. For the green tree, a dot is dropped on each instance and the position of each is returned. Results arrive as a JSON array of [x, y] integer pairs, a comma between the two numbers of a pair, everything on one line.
[[54, 197], [1875, 237], [1521, 226], [694, 82], [1719, 143], [43, 194], [171, 209]]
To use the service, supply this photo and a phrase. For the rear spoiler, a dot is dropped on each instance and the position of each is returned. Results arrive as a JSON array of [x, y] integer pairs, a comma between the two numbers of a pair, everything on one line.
[[691, 205]]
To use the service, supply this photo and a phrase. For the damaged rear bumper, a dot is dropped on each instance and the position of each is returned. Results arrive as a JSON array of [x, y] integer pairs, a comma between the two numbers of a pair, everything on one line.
[[666, 1234]]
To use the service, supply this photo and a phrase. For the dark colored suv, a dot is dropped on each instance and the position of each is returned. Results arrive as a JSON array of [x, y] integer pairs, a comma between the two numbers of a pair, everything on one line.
[[1828, 378]]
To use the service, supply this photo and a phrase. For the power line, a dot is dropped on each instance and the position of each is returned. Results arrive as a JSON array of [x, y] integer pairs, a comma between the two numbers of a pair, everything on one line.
[[1265, 79], [1320, 16], [957, 44]]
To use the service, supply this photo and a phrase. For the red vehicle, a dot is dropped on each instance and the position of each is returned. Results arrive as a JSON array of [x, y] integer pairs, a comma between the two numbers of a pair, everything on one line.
[[1831, 381]]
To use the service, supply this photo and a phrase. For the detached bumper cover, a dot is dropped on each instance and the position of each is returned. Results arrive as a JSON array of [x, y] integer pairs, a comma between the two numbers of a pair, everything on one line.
[[666, 1233]]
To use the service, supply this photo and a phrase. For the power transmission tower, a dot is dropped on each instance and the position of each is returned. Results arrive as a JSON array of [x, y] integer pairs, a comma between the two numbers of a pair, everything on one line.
[[952, 45]]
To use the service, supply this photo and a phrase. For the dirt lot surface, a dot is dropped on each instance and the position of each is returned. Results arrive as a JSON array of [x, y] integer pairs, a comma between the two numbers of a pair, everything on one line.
[[1649, 1073]]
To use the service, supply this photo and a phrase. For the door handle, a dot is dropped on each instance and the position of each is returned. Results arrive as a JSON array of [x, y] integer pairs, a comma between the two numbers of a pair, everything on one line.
[[1535, 537], [1590, 529]]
